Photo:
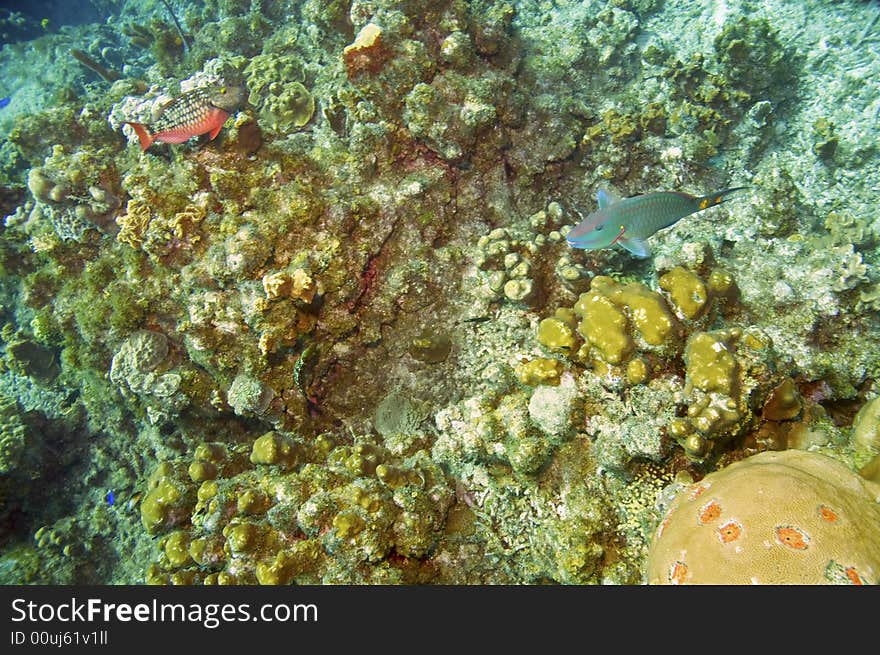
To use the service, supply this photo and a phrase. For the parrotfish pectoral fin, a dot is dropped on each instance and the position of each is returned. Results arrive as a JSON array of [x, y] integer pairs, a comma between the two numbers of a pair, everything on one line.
[[217, 119], [606, 196], [145, 138], [638, 247]]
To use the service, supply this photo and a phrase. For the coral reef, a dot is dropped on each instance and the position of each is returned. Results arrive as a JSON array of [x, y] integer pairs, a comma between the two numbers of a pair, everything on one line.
[[275, 88], [345, 341], [866, 429]]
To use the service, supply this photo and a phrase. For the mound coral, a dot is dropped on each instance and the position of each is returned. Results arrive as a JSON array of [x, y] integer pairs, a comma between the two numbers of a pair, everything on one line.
[[790, 517]]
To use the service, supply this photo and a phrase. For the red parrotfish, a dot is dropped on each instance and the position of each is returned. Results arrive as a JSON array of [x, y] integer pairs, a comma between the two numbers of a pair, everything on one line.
[[196, 112], [630, 221]]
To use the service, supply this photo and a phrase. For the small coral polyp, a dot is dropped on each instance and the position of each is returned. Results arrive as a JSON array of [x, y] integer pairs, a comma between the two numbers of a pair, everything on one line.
[[790, 517]]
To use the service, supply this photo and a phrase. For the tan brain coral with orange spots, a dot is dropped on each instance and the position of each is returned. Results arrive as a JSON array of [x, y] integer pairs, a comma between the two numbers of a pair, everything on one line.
[[790, 517]]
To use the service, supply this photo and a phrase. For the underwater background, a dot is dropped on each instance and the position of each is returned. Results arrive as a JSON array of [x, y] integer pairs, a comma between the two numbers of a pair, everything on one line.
[[347, 341]]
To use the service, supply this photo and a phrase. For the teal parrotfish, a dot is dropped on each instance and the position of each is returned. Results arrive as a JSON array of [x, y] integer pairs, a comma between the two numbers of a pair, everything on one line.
[[630, 221], [191, 114]]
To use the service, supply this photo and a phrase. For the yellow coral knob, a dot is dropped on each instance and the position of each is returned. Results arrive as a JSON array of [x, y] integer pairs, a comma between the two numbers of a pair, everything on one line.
[[539, 371], [687, 291], [711, 366]]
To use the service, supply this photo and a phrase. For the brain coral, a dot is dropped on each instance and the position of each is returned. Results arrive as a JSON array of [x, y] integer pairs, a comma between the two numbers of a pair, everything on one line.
[[791, 517]]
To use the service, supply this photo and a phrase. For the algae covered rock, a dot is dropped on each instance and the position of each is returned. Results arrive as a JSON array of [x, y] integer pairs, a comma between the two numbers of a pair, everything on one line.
[[13, 438], [137, 369], [790, 517], [866, 428]]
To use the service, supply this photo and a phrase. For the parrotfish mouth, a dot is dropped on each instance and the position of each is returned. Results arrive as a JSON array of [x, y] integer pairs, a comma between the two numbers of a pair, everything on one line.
[[585, 244], [228, 98], [592, 240]]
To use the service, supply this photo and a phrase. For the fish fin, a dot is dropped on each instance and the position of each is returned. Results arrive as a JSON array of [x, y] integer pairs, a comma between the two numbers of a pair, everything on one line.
[[638, 247], [606, 196], [143, 135], [221, 116], [718, 197]]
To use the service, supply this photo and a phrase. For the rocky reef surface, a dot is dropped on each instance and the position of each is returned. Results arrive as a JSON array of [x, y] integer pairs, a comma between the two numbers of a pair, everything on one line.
[[346, 341]]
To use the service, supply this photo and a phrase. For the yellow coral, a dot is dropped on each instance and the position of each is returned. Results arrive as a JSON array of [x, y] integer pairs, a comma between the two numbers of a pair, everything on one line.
[[287, 564], [184, 224], [712, 383], [791, 517], [558, 331], [297, 284], [866, 428], [686, 290], [167, 499], [711, 366], [539, 371], [243, 537], [604, 326], [636, 371], [177, 548], [607, 311], [275, 448], [647, 309], [721, 283], [276, 285], [133, 224]]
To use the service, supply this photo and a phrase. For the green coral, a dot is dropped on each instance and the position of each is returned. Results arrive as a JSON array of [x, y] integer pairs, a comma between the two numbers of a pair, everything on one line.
[[275, 86]]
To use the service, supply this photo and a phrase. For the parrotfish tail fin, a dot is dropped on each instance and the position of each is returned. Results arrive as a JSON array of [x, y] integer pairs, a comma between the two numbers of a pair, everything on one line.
[[718, 197], [143, 134]]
